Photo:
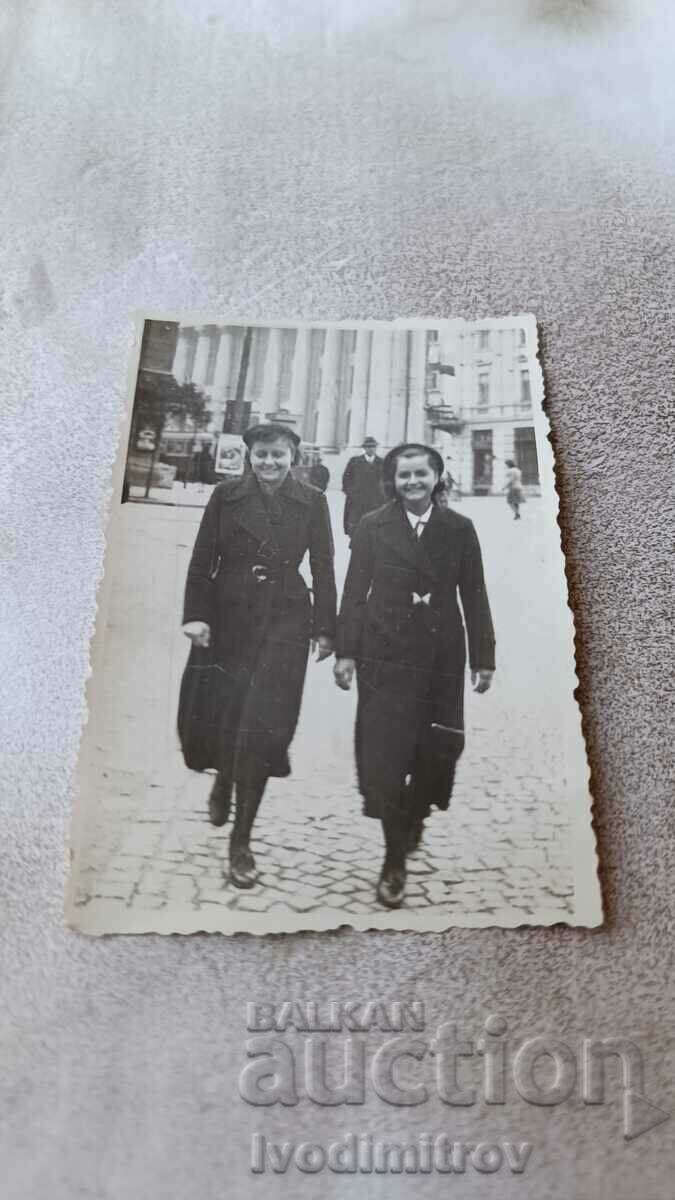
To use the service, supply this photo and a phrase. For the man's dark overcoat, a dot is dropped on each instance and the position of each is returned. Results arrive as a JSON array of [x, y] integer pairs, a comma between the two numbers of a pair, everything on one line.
[[362, 485], [243, 581], [400, 620]]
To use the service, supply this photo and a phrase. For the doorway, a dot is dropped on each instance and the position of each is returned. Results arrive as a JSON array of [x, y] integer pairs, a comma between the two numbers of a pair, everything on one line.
[[481, 447]]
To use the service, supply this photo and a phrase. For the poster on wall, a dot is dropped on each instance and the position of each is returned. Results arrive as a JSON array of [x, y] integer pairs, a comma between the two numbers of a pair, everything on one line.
[[230, 453]]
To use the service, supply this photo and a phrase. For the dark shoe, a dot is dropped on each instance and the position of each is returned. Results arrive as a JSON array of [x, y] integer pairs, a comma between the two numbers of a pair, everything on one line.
[[242, 868], [391, 888], [220, 800], [415, 835]]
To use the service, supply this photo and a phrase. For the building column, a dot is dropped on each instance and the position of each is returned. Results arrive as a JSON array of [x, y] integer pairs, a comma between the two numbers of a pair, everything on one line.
[[201, 357], [328, 394], [221, 377], [359, 396], [252, 394], [462, 372], [399, 388], [220, 389], [297, 400], [180, 359], [380, 383], [416, 429], [270, 398]]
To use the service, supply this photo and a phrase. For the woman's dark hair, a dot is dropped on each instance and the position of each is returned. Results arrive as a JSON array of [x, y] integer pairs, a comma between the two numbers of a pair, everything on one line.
[[407, 450], [508, 462]]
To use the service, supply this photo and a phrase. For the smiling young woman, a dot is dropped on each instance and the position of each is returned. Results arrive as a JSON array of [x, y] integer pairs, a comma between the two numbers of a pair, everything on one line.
[[400, 630], [250, 618]]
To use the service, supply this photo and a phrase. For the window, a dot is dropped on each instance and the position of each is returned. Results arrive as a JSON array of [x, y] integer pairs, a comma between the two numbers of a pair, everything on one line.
[[521, 337], [483, 389], [432, 335], [525, 390], [433, 381], [484, 339], [525, 454]]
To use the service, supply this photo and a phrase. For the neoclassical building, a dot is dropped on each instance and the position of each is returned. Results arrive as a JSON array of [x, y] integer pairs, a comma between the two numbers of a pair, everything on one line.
[[464, 387]]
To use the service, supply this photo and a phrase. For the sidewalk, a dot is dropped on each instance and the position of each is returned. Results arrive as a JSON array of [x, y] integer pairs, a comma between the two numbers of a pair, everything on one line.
[[500, 854]]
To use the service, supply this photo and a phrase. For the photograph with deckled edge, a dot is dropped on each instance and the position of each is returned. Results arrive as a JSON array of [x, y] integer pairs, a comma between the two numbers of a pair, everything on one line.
[[333, 674]]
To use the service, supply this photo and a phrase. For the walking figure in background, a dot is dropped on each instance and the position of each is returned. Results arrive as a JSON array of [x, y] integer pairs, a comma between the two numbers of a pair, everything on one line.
[[319, 475], [446, 487], [250, 619], [362, 485], [401, 631], [203, 466], [513, 487]]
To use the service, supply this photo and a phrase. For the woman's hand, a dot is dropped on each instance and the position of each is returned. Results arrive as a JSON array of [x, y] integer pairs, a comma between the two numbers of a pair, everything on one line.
[[323, 645], [481, 680], [344, 672], [198, 632]]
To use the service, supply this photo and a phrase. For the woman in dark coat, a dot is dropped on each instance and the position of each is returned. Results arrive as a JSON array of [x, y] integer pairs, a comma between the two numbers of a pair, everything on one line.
[[249, 615], [401, 629]]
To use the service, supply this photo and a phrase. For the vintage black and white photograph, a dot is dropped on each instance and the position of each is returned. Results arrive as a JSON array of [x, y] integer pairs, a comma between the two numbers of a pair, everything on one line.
[[333, 673]]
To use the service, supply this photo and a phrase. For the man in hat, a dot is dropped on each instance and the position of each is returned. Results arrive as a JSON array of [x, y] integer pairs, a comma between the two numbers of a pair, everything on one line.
[[362, 485]]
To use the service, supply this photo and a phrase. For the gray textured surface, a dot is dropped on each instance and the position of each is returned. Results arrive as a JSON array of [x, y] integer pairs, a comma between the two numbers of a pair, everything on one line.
[[330, 160]]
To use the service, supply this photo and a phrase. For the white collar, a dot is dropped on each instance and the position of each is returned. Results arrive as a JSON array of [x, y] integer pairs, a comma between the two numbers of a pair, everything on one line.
[[415, 520], [369, 458]]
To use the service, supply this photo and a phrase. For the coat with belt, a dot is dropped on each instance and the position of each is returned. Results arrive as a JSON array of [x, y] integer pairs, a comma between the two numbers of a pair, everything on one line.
[[400, 620], [362, 485], [243, 581]]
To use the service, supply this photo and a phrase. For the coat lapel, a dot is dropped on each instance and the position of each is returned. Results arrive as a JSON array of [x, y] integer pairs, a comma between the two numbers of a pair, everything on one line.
[[398, 535], [433, 542], [249, 511]]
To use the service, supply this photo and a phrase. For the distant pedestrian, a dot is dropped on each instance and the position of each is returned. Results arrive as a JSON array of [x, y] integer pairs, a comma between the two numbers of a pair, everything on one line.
[[203, 466], [445, 489], [513, 487], [362, 485], [319, 475], [400, 629]]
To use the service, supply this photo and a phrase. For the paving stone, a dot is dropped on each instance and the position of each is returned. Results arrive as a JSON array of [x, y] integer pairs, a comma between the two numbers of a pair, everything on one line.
[[214, 895], [113, 890], [503, 846]]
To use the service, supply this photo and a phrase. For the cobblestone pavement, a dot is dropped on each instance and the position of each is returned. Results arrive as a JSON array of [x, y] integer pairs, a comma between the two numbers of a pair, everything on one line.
[[147, 853]]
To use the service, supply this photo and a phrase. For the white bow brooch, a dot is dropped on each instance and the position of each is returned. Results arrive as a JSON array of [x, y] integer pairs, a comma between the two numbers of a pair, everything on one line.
[[417, 599]]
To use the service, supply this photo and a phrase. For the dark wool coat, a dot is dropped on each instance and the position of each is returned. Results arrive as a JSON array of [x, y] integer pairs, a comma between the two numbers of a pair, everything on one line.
[[243, 580], [400, 620], [362, 485]]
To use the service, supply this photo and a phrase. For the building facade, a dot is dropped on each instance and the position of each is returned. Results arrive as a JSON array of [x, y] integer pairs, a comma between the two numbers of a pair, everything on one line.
[[465, 388]]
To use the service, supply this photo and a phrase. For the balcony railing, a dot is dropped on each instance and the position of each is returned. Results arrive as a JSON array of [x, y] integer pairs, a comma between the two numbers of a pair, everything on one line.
[[444, 416], [496, 412]]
